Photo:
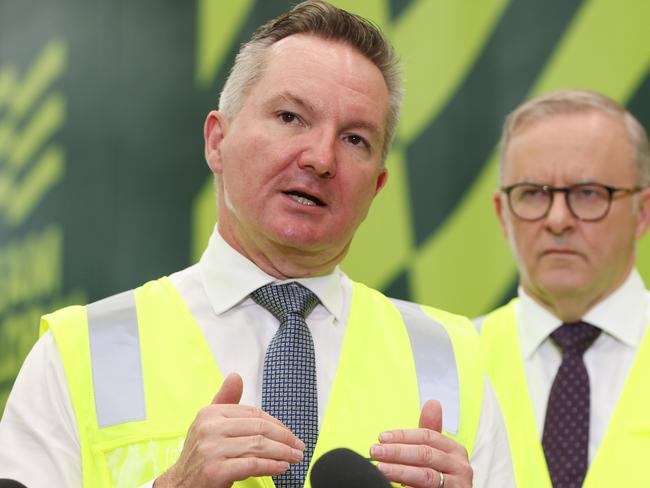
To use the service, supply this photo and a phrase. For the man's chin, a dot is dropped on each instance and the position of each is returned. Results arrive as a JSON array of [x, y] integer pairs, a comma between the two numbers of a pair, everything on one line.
[[563, 284], [303, 242]]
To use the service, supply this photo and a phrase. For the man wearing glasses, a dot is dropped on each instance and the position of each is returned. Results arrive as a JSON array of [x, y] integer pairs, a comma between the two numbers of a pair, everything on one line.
[[570, 357]]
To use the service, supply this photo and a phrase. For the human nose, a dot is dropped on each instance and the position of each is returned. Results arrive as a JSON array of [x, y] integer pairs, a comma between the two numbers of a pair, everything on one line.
[[320, 155], [559, 218]]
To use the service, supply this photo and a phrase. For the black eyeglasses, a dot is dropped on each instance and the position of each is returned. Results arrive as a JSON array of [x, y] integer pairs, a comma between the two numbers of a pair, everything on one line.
[[586, 201]]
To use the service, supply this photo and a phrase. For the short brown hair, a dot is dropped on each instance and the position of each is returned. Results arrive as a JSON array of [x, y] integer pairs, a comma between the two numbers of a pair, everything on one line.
[[576, 101], [318, 18]]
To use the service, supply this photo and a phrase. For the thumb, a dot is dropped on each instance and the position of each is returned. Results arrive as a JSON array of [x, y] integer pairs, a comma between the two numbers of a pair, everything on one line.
[[231, 390], [431, 416]]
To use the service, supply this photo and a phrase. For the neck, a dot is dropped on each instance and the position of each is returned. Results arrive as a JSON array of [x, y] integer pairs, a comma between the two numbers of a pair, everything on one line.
[[566, 309], [284, 262], [572, 306]]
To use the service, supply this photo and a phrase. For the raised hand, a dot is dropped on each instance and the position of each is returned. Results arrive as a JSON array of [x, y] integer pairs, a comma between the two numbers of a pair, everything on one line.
[[228, 442], [423, 457]]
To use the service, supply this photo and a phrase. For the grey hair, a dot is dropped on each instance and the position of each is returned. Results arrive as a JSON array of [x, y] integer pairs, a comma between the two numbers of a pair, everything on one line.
[[321, 19], [578, 101]]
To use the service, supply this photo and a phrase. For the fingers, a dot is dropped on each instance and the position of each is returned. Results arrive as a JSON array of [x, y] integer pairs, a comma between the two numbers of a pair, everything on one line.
[[431, 416], [420, 466], [413, 455], [254, 420], [260, 446], [242, 468], [420, 437], [231, 390], [411, 476], [247, 427], [247, 438], [416, 457], [243, 430], [228, 442]]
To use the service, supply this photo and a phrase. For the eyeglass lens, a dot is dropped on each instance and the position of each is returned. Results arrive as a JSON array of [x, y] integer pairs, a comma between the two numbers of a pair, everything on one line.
[[586, 202]]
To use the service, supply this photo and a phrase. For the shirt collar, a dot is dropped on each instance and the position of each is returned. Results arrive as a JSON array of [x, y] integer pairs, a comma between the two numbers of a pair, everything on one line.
[[622, 315], [228, 278]]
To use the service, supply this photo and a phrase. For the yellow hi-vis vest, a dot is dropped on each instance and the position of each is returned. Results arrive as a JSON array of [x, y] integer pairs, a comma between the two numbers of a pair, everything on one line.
[[138, 370], [621, 457]]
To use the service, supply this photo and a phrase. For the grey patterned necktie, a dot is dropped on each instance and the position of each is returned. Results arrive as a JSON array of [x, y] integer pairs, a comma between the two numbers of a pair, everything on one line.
[[566, 428], [289, 380]]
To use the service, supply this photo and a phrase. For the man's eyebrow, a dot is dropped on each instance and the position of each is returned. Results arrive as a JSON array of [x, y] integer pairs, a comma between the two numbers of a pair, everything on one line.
[[369, 126], [291, 98]]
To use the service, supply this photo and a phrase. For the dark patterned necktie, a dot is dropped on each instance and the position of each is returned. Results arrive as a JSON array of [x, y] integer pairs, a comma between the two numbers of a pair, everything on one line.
[[566, 428], [289, 379]]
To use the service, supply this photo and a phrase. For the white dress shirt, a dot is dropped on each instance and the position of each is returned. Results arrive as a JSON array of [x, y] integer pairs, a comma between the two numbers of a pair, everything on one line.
[[39, 443], [623, 317]]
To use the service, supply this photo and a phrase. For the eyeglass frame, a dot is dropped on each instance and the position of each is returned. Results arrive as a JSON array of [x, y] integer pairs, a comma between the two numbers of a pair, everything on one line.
[[552, 190]]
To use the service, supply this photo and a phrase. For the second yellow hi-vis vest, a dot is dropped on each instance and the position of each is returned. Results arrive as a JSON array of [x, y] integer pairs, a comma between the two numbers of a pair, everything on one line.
[[138, 371], [623, 452]]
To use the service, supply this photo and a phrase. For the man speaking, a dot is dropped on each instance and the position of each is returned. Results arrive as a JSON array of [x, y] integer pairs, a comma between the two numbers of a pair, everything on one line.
[[569, 358], [302, 359]]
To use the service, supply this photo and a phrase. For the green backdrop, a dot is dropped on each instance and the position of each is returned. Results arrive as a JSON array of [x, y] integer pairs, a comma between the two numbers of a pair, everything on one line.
[[102, 180]]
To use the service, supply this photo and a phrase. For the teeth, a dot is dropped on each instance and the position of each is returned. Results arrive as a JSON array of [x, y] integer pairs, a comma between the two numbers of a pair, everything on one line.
[[302, 200]]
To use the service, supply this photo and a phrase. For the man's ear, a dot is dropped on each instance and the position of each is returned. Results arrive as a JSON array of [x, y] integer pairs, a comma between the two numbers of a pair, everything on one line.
[[214, 131], [644, 213], [382, 178], [497, 201]]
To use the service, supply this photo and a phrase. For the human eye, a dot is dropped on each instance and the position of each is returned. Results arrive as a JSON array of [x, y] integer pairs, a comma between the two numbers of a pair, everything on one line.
[[288, 117], [357, 141], [530, 193], [587, 193]]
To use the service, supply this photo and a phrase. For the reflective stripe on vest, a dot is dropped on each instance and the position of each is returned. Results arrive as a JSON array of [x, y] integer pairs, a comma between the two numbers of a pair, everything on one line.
[[435, 362], [116, 360], [117, 367]]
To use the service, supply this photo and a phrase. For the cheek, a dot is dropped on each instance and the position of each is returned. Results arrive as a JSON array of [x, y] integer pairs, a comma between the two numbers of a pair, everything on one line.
[[517, 233], [360, 192], [615, 243], [245, 164], [523, 238]]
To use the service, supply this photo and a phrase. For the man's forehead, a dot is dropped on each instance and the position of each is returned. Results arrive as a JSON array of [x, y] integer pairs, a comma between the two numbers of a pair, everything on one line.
[[305, 40], [301, 58], [579, 145], [309, 50], [581, 122]]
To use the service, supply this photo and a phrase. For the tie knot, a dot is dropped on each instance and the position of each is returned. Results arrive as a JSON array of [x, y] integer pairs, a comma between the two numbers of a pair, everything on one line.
[[575, 337], [282, 300]]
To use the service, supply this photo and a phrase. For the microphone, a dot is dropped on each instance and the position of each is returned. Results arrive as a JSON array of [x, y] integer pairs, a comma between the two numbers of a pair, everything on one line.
[[344, 468], [5, 483]]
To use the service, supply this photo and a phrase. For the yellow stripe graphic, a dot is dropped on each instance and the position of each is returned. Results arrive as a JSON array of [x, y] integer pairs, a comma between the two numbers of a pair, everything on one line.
[[49, 66], [607, 49], [6, 136], [218, 23], [41, 127], [7, 82], [46, 173], [437, 54], [49, 117], [24, 184]]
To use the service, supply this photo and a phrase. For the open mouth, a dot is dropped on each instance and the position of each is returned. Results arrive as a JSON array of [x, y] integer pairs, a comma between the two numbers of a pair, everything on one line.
[[305, 198]]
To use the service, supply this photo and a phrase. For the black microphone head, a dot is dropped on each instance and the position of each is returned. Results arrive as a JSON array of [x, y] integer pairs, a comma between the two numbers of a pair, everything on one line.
[[344, 468], [5, 483]]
